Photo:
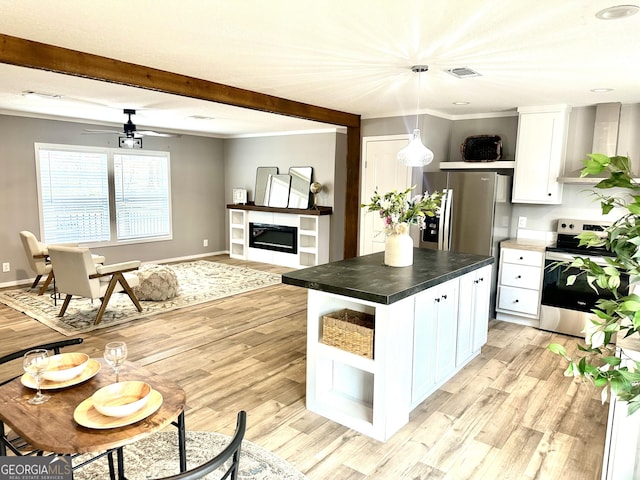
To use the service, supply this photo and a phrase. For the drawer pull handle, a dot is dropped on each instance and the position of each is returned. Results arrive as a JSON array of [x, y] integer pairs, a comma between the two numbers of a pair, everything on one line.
[[519, 276], [437, 299], [521, 258], [444, 297], [516, 301]]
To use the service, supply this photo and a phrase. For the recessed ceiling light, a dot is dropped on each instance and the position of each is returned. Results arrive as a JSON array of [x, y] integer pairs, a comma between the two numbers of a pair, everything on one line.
[[200, 117], [31, 93], [617, 11], [601, 90], [461, 103]]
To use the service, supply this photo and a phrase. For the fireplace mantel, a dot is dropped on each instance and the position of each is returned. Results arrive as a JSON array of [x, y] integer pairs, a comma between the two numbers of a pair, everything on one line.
[[295, 211]]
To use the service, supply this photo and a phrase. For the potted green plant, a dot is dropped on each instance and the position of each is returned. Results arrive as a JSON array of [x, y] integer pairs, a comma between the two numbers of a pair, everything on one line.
[[596, 359]]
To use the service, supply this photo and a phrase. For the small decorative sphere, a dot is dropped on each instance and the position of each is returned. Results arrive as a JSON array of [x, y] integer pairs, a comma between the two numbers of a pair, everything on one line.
[[315, 187]]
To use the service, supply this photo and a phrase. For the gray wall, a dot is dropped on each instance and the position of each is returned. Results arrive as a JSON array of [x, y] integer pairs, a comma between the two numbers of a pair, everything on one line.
[[197, 191], [444, 137], [506, 127], [435, 133], [325, 152]]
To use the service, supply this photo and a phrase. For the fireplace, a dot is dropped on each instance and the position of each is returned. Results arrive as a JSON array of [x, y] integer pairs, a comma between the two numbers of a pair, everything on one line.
[[279, 238]]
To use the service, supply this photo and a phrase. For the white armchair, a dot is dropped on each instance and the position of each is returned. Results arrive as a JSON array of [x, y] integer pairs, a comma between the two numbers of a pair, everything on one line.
[[77, 274], [38, 257]]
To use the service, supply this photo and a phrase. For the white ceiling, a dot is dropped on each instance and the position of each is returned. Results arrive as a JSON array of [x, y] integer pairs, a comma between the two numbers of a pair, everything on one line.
[[348, 55]]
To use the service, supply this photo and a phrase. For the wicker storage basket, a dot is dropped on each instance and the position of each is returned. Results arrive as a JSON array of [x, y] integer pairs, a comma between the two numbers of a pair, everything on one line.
[[481, 148], [349, 330]]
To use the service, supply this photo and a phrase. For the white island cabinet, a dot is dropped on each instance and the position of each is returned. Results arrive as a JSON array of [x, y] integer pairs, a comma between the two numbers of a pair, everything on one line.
[[432, 322]]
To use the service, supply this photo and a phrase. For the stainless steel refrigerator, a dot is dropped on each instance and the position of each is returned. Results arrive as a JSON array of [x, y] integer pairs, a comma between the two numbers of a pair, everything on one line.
[[475, 215]]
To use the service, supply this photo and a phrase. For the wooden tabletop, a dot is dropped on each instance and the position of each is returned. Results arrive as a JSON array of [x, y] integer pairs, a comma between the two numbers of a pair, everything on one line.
[[51, 427]]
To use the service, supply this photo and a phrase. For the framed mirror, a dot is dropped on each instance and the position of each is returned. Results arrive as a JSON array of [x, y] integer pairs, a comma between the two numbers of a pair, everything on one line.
[[263, 174], [300, 183], [279, 190]]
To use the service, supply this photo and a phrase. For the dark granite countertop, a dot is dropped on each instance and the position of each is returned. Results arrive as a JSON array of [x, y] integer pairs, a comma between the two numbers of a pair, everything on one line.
[[367, 278]]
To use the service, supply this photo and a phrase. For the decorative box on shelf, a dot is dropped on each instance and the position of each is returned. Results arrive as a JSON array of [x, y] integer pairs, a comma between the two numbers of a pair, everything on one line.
[[349, 330]]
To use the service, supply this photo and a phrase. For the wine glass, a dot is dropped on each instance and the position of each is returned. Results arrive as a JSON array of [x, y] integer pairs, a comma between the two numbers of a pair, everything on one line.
[[115, 353], [35, 362]]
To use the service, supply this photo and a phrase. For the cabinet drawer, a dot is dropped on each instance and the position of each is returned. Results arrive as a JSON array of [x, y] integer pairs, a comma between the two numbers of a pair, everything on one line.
[[523, 276], [522, 257], [519, 300]]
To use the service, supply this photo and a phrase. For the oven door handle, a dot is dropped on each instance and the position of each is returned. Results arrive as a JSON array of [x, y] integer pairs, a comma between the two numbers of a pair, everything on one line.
[[559, 257], [569, 257]]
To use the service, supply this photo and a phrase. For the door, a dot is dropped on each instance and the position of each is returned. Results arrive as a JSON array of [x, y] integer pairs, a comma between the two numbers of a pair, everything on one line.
[[381, 170], [472, 217]]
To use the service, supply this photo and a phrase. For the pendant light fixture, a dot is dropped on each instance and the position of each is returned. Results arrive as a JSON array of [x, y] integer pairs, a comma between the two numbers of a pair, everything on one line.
[[416, 154]]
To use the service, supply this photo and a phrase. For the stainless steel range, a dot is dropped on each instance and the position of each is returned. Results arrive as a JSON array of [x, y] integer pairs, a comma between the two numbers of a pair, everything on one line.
[[567, 309]]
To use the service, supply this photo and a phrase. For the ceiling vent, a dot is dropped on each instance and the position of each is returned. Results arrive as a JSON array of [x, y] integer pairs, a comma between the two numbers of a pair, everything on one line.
[[463, 72]]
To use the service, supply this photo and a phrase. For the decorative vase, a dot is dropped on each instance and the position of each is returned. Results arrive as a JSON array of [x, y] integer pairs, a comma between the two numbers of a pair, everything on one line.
[[398, 250]]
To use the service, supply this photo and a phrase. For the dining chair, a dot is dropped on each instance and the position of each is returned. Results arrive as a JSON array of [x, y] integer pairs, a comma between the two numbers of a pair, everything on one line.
[[77, 274], [231, 452]]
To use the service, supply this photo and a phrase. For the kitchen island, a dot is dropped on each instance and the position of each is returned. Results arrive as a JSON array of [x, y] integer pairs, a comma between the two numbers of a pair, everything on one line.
[[430, 320]]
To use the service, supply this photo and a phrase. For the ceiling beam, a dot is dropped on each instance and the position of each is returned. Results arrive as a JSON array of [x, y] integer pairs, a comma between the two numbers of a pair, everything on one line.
[[30, 54], [27, 53]]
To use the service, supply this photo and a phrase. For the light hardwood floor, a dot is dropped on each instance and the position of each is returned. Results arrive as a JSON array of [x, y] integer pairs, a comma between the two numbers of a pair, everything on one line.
[[510, 414]]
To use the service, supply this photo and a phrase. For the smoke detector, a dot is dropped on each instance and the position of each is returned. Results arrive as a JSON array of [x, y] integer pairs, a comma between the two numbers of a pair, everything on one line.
[[463, 72]]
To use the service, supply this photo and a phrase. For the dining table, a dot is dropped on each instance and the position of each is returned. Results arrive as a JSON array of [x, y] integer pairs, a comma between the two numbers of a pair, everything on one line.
[[68, 424]]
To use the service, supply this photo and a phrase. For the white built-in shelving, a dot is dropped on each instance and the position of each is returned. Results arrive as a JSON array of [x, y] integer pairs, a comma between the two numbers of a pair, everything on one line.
[[313, 227]]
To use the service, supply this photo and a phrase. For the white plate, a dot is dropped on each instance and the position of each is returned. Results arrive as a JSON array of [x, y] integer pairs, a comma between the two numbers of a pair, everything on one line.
[[86, 415], [93, 367]]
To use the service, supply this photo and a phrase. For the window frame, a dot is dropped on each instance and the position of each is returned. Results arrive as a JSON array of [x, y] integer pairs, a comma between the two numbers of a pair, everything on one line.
[[110, 153]]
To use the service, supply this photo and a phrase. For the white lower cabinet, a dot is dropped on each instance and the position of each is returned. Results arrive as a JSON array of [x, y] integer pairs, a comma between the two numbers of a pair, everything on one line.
[[434, 338], [473, 314], [420, 342], [520, 285]]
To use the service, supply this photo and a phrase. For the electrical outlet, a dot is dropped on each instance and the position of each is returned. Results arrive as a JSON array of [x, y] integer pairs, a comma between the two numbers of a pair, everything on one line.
[[6, 267], [205, 242], [522, 222]]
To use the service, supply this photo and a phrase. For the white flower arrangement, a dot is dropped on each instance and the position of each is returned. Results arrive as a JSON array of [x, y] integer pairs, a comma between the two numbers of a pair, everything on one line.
[[399, 212]]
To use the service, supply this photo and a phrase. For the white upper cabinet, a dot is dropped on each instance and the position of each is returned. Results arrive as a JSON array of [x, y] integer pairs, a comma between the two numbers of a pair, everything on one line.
[[540, 151]]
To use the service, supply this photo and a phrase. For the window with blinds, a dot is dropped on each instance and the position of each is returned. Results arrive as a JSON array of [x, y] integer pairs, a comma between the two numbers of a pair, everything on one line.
[[93, 195]]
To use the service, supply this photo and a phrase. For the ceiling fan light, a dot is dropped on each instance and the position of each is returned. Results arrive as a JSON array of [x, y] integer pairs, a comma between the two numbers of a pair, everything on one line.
[[415, 154], [130, 142]]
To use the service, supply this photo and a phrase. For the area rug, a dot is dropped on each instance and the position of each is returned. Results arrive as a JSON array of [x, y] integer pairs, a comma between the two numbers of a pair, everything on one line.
[[157, 456], [198, 282]]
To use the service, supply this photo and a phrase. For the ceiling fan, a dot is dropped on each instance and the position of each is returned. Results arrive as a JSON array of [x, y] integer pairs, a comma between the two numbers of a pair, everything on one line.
[[130, 131]]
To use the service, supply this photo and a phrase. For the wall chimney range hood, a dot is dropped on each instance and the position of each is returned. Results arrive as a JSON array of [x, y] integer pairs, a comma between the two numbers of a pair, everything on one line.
[[605, 140]]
